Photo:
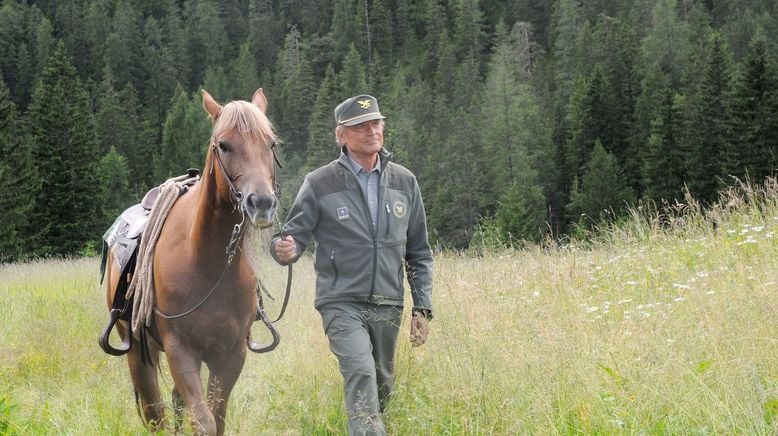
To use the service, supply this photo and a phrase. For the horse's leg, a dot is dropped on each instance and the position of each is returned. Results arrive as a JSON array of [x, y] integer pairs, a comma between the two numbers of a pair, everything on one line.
[[145, 382], [178, 408], [221, 380], [185, 369]]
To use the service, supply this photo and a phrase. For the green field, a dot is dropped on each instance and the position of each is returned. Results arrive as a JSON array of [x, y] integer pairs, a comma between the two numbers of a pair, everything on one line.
[[662, 325]]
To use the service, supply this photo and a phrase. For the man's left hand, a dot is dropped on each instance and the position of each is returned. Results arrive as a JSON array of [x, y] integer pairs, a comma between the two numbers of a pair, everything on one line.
[[420, 329]]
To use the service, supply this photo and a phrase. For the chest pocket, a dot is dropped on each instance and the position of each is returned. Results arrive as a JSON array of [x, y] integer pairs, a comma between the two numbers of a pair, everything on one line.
[[396, 212]]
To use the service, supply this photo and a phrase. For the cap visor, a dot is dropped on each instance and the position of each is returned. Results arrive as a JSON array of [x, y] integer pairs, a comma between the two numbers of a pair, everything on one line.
[[362, 118]]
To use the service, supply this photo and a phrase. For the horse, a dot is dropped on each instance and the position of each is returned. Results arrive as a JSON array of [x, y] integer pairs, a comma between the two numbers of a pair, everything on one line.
[[205, 298]]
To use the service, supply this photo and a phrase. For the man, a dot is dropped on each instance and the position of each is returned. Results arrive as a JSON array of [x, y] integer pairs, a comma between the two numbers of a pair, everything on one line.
[[367, 218]]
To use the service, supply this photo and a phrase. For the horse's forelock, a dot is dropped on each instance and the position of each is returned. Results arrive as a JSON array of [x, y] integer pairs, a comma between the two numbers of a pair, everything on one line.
[[247, 119]]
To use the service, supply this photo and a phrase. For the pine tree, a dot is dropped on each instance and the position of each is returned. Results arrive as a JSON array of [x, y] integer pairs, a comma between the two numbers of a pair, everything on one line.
[[60, 120], [521, 213], [469, 37], [589, 123], [97, 25], [353, 77], [119, 128], [704, 171], [345, 27], [160, 77], [245, 79], [602, 193], [752, 146], [517, 135], [115, 185], [266, 33], [205, 39], [321, 147], [18, 181], [11, 36], [184, 139], [663, 159], [294, 95], [124, 47], [175, 40]]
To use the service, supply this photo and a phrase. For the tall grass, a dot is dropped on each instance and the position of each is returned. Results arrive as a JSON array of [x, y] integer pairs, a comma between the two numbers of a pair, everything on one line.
[[662, 324]]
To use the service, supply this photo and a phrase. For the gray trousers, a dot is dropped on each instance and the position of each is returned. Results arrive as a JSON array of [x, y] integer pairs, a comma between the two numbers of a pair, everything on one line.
[[363, 337]]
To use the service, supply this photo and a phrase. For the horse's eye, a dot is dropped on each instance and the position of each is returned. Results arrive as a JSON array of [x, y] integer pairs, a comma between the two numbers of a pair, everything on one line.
[[225, 147]]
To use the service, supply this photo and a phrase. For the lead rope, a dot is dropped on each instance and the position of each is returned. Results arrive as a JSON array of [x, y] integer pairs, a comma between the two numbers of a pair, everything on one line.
[[142, 282]]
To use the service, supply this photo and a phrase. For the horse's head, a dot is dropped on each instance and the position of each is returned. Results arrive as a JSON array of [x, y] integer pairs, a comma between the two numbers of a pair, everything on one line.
[[241, 151]]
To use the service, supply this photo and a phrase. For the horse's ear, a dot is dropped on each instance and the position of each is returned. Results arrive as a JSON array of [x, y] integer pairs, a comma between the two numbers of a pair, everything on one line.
[[210, 105], [259, 100]]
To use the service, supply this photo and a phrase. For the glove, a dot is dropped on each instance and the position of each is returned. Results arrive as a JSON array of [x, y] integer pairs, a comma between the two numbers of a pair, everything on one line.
[[420, 329]]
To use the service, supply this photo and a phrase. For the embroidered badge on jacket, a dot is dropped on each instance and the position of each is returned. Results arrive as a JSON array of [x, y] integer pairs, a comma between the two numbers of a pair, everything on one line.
[[399, 209], [343, 213]]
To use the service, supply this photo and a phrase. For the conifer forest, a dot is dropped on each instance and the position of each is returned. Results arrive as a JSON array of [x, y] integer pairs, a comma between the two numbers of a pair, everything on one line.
[[522, 119]]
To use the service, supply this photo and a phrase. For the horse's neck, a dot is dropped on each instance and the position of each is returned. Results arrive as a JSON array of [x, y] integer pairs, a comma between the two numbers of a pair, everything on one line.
[[214, 219]]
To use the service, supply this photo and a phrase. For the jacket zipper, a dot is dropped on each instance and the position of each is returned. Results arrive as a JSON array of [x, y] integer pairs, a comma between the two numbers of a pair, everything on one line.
[[388, 215], [334, 269]]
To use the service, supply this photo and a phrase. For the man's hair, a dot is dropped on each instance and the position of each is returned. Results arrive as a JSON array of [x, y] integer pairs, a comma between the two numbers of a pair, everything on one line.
[[340, 127]]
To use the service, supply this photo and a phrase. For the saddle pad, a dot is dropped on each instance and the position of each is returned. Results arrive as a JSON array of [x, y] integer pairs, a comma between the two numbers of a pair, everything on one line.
[[123, 237]]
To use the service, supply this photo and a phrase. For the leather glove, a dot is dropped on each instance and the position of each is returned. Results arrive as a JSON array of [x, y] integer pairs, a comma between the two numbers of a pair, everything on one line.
[[420, 329]]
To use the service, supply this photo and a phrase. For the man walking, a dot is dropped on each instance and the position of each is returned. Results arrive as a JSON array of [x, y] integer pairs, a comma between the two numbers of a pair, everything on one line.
[[367, 218]]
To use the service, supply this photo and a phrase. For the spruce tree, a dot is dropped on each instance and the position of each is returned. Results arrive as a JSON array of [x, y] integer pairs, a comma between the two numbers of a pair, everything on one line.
[[119, 127], [245, 79], [184, 138], [663, 159], [602, 192], [115, 185], [160, 82], [63, 220], [293, 96], [353, 78], [752, 146], [18, 182], [124, 47], [709, 133], [321, 147]]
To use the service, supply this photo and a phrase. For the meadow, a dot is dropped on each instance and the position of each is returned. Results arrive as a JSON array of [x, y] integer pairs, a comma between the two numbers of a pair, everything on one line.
[[662, 324]]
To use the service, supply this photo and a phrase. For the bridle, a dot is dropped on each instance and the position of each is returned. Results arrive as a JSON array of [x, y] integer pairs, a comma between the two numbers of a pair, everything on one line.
[[236, 195]]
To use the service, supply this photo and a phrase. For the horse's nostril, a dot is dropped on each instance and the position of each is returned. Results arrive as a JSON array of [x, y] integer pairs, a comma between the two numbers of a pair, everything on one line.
[[260, 202]]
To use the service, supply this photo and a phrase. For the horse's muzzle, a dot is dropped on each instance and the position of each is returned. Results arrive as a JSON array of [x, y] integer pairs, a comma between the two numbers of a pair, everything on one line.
[[261, 208]]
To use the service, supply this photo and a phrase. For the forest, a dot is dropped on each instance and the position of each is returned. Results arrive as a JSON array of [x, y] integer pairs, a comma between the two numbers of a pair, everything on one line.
[[523, 120]]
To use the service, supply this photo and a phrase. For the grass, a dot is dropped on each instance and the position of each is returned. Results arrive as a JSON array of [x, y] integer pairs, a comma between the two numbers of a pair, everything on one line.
[[662, 324]]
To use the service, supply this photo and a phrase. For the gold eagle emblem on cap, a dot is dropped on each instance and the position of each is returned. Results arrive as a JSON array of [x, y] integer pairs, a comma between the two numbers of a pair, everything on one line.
[[364, 104]]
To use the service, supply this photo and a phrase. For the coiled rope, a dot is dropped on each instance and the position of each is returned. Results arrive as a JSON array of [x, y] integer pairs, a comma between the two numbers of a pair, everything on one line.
[[142, 284]]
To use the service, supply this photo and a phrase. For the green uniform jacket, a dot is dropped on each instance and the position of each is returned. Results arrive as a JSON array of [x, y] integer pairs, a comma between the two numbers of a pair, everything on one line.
[[354, 261]]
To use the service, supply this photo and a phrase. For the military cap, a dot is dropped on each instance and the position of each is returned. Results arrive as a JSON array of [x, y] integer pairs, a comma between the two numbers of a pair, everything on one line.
[[357, 110]]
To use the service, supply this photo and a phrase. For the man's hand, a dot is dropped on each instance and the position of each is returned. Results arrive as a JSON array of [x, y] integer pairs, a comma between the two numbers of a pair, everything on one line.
[[286, 249], [420, 329]]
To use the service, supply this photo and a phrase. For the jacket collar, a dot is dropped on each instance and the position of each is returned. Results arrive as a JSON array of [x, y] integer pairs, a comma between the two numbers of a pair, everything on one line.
[[385, 156]]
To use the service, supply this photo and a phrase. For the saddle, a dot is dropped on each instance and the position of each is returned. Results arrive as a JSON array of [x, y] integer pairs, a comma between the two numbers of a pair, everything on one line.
[[123, 239]]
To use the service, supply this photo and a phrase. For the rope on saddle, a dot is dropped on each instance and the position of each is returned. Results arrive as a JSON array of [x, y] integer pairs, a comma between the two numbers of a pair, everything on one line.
[[142, 284]]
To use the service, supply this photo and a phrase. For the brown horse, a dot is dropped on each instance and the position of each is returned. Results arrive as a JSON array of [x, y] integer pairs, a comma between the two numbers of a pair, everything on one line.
[[214, 298]]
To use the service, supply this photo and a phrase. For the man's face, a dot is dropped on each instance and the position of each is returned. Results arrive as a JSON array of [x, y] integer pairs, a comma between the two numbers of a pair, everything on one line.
[[363, 140]]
